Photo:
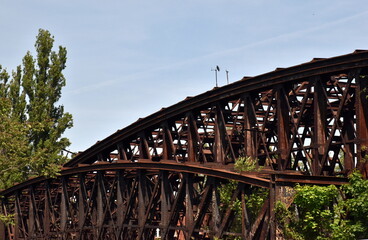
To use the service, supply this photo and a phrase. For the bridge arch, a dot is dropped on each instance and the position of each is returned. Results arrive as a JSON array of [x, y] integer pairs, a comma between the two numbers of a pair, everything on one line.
[[299, 118], [303, 124], [132, 200]]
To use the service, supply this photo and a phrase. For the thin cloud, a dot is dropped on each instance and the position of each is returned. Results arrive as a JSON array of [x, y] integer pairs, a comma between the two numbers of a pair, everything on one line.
[[227, 52]]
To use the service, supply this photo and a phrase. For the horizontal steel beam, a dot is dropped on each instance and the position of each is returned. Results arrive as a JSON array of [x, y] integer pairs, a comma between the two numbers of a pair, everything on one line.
[[152, 166], [260, 179]]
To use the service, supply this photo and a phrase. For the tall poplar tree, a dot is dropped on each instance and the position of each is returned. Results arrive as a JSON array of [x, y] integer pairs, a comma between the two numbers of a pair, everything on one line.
[[32, 121]]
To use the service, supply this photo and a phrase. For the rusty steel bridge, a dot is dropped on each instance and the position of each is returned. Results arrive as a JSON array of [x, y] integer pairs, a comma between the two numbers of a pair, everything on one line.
[[164, 175]]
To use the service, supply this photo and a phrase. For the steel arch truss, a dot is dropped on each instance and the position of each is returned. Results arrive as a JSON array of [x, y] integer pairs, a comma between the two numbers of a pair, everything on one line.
[[167, 173], [315, 124], [135, 204]]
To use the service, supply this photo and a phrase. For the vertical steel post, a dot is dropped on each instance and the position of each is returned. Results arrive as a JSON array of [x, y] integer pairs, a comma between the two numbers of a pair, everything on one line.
[[46, 211], [283, 127], [362, 122], [250, 127], [319, 138]]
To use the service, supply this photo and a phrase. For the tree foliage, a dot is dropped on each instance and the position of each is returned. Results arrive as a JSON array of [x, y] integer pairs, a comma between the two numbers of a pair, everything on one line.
[[326, 212], [31, 121], [247, 164]]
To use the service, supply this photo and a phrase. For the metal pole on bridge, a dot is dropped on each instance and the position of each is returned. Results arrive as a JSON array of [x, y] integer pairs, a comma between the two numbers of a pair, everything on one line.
[[217, 69]]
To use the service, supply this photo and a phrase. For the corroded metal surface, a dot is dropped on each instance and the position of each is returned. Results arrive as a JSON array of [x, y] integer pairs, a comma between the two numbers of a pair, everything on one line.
[[165, 175]]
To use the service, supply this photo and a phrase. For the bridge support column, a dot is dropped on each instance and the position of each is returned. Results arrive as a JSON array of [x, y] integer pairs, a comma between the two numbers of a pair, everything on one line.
[[362, 123], [32, 214], [319, 133], [46, 211], [122, 154], [189, 192], [272, 198], [165, 201], [64, 208], [250, 128], [220, 143], [245, 217], [348, 135], [193, 138], [82, 199], [283, 128], [215, 203], [99, 205], [168, 147], [142, 201], [282, 193], [121, 186], [144, 152], [222, 148], [18, 219]]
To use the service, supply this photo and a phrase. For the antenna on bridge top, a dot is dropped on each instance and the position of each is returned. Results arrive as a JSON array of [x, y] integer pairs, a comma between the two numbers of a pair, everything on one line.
[[217, 69], [227, 76]]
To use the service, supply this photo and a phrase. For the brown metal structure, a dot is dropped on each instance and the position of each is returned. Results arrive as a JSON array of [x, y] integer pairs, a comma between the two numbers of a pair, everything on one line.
[[167, 175]]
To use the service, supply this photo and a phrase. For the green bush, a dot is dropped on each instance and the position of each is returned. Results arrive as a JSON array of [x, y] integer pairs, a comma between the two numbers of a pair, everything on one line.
[[246, 164], [326, 212]]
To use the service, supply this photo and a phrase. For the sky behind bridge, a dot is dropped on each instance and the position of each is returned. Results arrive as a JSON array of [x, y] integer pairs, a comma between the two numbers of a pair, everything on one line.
[[128, 59]]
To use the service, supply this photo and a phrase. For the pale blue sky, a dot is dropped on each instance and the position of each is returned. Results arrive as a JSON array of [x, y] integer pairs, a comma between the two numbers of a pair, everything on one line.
[[128, 59]]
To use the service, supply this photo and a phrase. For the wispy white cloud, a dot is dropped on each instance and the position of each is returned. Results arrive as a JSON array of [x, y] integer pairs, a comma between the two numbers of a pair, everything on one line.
[[224, 53]]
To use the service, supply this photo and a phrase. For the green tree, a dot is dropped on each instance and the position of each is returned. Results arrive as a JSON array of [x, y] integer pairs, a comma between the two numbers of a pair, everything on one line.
[[353, 209], [315, 210], [326, 212], [32, 122], [14, 144]]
